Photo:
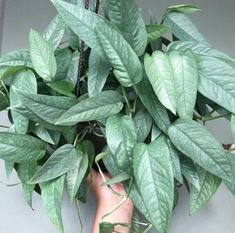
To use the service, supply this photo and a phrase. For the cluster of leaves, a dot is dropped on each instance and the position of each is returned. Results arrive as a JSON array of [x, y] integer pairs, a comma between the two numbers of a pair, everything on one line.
[[146, 96]]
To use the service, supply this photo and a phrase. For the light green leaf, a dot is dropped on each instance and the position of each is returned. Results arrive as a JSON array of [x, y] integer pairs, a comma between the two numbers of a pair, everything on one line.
[[120, 55], [23, 80], [121, 138], [209, 184], [155, 180], [42, 56], [55, 32], [126, 16], [61, 161], [63, 87], [232, 126], [97, 74], [19, 57], [155, 132], [9, 167], [25, 172], [72, 73], [98, 107], [20, 148], [199, 49], [47, 108], [182, 27], [73, 39], [76, 175], [159, 71], [195, 141], [216, 76], [143, 124], [152, 104], [189, 171], [185, 69], [183, 8], [117, 179], [155, 31], [52, 193]]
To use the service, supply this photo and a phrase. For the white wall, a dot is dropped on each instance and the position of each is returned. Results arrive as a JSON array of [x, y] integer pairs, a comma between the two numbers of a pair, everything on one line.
[[217, 22]]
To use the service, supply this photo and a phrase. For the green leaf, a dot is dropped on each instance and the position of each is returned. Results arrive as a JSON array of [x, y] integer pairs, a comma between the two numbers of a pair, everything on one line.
[[185, 69], [42, 56], [120, 55], [117, 179], [97, 75], [189, 171], [23, 80], [98, 107], [47, 108], [183, 8], [121, 138], [155, 31], [25, 172], [159, 71], [154, 177], [216, 76], [155, 133], [55, 32], [72, 72], [209, 184], [73, 39], [195, 141], [143, 124], [152, 104], [232, 126], [19, 57], [183, 28], [9, 167], [76, 174], [52, 193], [61, 161], [62, 87], [126, 16], [20, 148], [199, 49]]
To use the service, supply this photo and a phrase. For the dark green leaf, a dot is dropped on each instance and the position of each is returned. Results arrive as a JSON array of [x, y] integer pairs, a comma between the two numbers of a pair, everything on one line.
[[52, 192], [72, 72], [20, 148], [42, 56], [98, 107], [195, 141], [62, 87], [155, 180], [61, 161], [155, 31]]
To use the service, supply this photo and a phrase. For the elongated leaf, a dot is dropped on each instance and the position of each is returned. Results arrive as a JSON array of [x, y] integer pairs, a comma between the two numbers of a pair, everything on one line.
[[143, 124], [16, 58], [98, 73], [185, 69], [61, 161], [155, 31], [121, 138], [155, 133], [72, 72], [62, 87], [52, 192], [189, 171], [117, 179], [98, 107], [154, 178], [42, 56], [25, 172], [209, 184], [44, 134], [126, 16], [152, 104], [199, 49], [55, 32], [183, 8], [120, 55], [75, 175], [216, 76], [47, 108], [23, 80], [159, 70], [9, 167], [183, 28], [195, 141], [20, 148]]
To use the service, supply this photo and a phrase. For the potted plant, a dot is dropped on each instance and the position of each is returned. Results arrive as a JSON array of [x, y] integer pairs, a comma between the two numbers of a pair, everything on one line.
[[120, 96]]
